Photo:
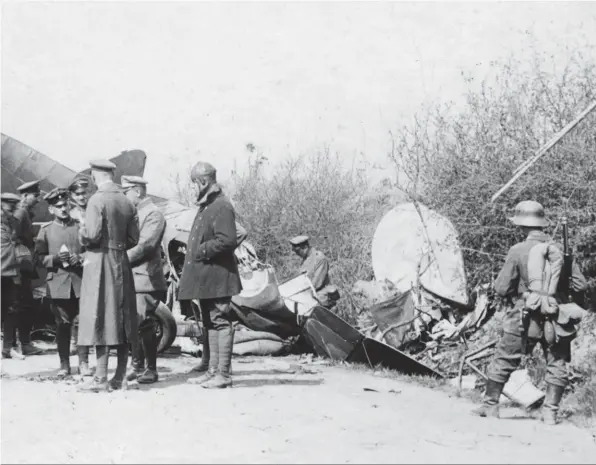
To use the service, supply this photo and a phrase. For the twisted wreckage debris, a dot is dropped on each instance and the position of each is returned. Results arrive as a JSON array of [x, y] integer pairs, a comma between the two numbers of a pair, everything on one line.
[[420, 284]]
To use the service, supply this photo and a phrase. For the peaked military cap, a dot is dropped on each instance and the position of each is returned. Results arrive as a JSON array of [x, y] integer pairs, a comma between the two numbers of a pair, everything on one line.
[[132, 181], [8, 197], [56, 195], [102, 165], [31, 186], [299, 240], [79, 183]]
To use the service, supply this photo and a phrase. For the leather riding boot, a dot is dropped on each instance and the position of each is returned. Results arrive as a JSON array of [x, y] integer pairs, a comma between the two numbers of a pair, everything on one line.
[[554, 394], [223, 378], [10, 321], [213, 342], [138, 359], [117, 380], [63, 341], [149, 343], [490, 405], [64, 367], [205, 356], [100, 381]]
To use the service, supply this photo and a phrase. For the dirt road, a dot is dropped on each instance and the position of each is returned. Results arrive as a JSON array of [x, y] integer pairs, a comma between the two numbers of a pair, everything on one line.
[[276, 413]]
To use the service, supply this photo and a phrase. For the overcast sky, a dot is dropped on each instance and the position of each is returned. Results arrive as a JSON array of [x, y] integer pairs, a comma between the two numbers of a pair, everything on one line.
[[90, 79]]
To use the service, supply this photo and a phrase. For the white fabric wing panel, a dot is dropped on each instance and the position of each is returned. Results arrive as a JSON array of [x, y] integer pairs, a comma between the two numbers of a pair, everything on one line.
[[412, 239]]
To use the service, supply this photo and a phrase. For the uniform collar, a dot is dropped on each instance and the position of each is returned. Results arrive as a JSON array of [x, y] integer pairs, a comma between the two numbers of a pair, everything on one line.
[[64, 223], [108, 186], [537, 235], [211, 193]]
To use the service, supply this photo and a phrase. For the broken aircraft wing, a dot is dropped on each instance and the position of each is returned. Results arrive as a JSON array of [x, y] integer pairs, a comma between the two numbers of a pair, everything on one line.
[[21, 163]]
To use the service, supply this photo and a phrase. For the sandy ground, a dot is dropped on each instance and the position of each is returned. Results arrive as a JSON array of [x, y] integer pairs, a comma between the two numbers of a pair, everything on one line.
[[279, 411]]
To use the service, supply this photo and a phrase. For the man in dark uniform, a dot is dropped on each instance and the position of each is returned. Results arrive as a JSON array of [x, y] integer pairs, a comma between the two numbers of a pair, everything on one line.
[[58, 249], [150, 282], [513, 284], [210, 274], [11, 275], [316, 267], [24, 230], [108, 311]]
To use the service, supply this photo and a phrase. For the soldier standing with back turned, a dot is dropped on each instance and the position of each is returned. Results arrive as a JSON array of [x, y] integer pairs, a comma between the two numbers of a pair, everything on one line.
[[108, 310], [512, 283]]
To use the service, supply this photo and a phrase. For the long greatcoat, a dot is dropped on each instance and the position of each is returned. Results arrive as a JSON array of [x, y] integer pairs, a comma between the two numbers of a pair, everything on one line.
[[210, 269], [108, 311]]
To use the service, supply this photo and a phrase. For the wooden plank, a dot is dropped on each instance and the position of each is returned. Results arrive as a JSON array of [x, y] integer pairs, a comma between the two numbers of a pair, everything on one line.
[[543, 150]]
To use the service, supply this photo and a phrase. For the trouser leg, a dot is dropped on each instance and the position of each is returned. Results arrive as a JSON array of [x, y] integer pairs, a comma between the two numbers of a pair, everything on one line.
[[210, 341], [63, 340], [507, 358], [122, 361], [100, 381], [27, 312], [557, 356], [10, 308], [102, 354], [10, 321], [221, 318], [149, 343]]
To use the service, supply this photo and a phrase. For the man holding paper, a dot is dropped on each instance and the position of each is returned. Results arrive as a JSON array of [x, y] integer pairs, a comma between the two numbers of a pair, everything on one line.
[[59, 250]]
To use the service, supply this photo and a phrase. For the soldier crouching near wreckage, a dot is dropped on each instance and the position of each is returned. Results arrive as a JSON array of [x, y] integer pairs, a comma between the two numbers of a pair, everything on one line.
[[210, 274], [520, 334], [316, 267], [108, 310], [58, 249], [150, 282]]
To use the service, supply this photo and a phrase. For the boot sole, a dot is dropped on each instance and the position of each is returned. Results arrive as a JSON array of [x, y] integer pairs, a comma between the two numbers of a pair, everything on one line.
[[153, 381]]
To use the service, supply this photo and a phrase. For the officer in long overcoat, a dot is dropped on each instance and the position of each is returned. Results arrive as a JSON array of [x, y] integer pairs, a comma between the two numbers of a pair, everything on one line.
[[108, 307], [150, 282], [210, 273]]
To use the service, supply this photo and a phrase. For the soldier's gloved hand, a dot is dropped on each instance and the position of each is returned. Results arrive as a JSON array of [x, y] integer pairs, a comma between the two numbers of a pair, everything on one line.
[[75, 259]]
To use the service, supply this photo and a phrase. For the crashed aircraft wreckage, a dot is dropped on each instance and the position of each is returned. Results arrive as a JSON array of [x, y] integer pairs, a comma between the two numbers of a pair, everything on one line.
[[272, 311]]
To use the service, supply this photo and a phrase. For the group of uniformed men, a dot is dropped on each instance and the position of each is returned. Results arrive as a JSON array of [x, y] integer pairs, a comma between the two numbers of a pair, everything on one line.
[[104, 267], [103, 262]]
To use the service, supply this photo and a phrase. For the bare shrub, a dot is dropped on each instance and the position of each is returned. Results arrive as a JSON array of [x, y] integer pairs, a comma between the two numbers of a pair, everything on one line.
[[455, 159]]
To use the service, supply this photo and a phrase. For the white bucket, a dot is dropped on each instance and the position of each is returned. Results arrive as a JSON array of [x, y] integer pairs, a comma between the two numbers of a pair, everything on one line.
[[522, 390]]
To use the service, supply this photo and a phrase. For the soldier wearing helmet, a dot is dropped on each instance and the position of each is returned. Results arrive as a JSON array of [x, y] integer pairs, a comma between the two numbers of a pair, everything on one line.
[[512, 284], [210, 274]]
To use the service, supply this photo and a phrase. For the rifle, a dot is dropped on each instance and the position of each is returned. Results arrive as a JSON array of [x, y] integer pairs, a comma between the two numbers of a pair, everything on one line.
[[564, 286]]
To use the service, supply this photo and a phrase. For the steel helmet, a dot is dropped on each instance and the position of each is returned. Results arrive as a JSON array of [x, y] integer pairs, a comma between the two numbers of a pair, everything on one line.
[[200, 170], [529, 213]]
